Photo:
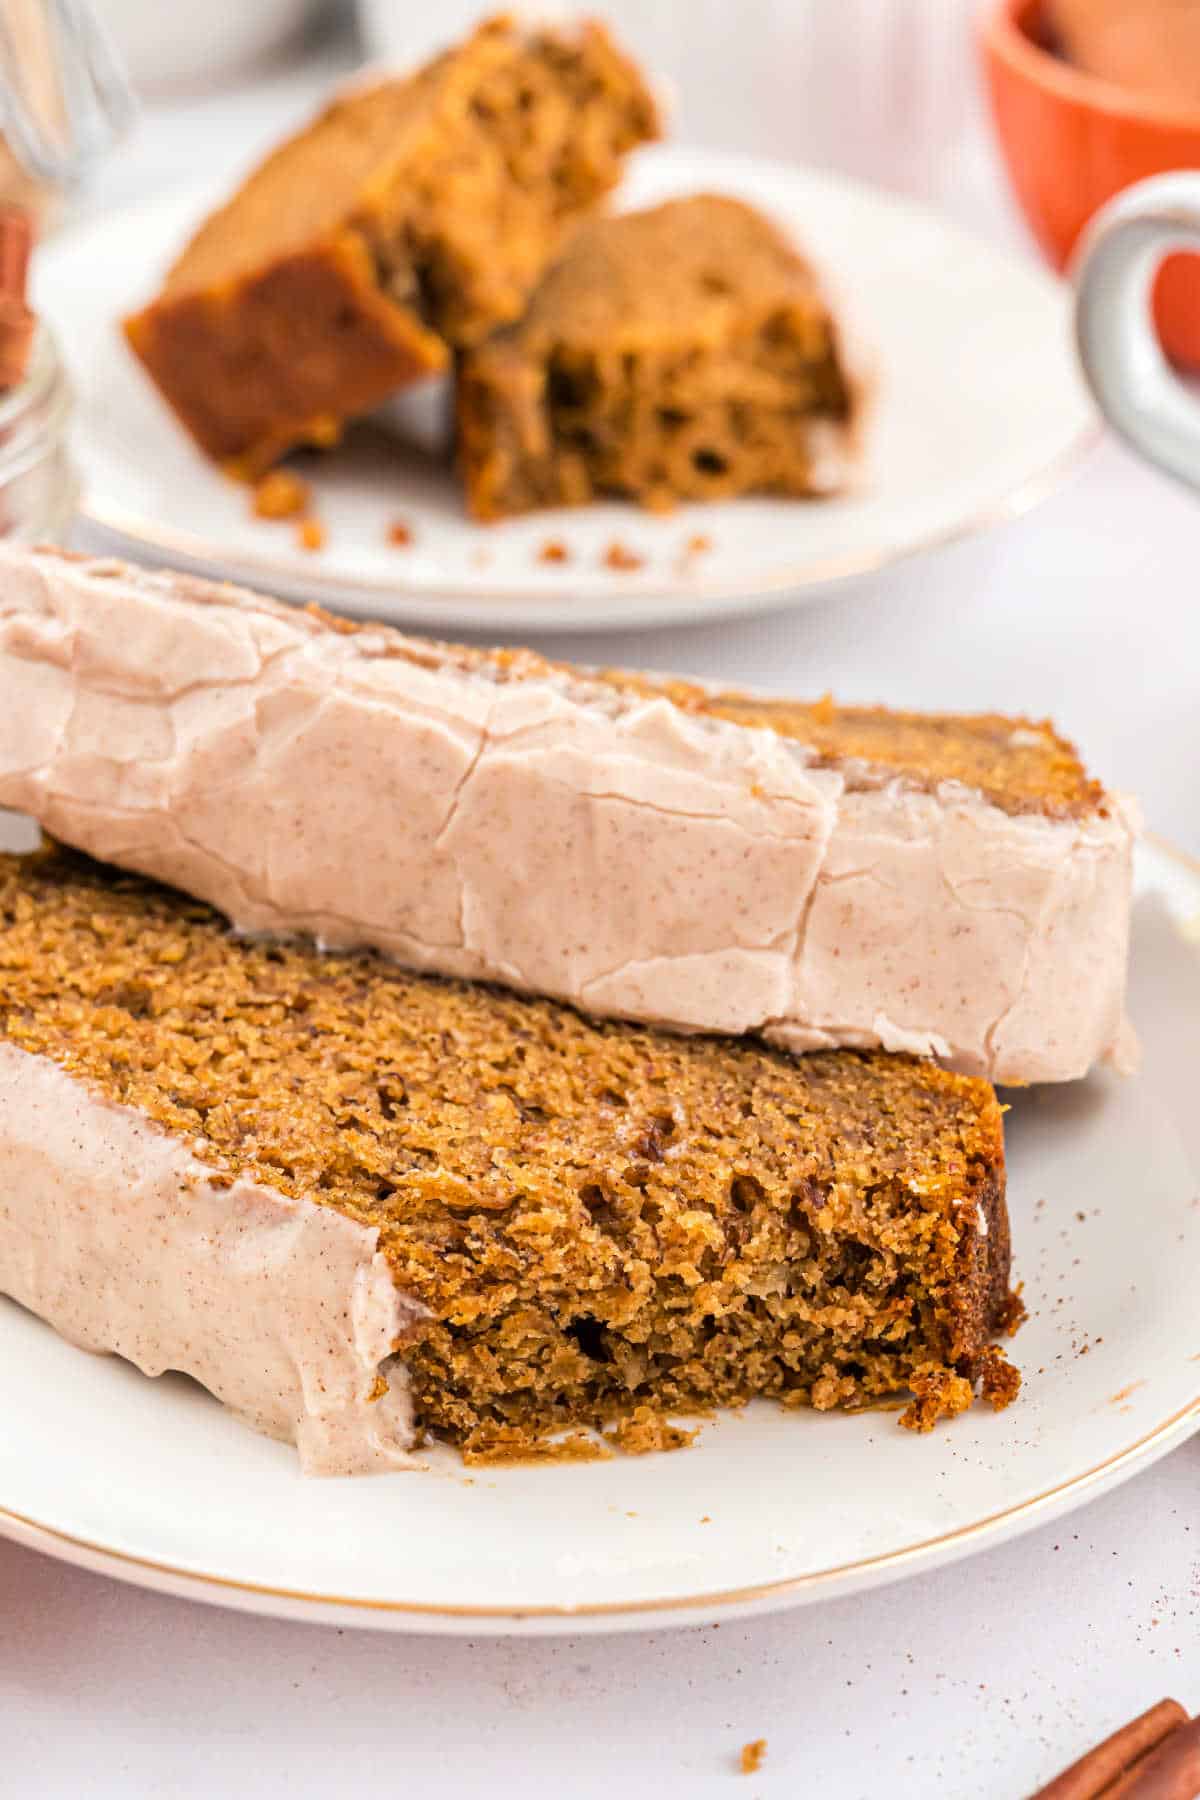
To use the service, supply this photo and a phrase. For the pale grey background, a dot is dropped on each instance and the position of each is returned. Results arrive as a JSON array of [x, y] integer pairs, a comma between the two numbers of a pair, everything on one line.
[[973, 1681]]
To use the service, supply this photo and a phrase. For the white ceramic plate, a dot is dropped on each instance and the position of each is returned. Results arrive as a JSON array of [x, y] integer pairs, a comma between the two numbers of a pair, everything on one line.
[[154, 1482], [978, 412]]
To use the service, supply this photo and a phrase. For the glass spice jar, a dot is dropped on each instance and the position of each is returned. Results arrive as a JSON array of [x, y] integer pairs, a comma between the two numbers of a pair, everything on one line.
[[38, 485], [64, 99]]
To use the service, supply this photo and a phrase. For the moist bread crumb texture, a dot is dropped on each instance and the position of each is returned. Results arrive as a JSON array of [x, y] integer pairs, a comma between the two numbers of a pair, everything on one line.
[[410, 216], [686, 352], [606, 1225]]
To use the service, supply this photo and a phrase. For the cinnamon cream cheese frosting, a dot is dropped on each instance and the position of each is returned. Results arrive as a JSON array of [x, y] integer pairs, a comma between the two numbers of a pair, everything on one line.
[[639, 847], [124, 1241]]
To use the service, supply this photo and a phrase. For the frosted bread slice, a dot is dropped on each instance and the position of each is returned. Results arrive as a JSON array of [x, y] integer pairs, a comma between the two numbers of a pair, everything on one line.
[[642, 848], [361, 1205], [412, 215]]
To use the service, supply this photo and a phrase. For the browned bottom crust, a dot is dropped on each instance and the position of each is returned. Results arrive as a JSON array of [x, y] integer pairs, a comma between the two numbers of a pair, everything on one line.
[[607, 1225]]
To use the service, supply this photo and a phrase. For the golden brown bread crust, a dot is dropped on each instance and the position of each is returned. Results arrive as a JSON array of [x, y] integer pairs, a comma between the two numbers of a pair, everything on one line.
[[409, 215], [1018, 764], [685, 352], [605, 1223]]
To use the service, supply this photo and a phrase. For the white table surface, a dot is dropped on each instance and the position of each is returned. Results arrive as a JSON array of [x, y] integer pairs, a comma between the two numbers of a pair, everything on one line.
[[974, 1681]]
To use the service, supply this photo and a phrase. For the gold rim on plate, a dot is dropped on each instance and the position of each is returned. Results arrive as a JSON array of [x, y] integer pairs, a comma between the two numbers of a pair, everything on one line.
[[197, 1584], [426, 606]]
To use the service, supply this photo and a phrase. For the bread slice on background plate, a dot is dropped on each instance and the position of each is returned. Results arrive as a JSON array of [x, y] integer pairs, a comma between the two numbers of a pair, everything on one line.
[[412, 215], [683, 353]]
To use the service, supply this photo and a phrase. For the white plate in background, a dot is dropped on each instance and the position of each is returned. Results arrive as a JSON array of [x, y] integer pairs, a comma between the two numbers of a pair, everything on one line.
[[978, 412], [153, 1482]]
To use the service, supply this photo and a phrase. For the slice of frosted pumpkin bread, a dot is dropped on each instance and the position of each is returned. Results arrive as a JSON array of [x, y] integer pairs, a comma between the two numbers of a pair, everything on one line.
[[362, 1205], [641, 847]]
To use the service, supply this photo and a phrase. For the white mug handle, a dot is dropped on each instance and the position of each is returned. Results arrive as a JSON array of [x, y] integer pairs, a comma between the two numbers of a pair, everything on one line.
[[1137, 390]]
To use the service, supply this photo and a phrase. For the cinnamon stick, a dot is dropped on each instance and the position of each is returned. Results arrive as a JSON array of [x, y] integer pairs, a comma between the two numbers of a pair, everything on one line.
[[1170, 1772], [1093, 1777]]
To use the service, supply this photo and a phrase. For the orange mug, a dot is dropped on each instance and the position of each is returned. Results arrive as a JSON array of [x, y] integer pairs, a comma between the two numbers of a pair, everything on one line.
[[1072, 142]]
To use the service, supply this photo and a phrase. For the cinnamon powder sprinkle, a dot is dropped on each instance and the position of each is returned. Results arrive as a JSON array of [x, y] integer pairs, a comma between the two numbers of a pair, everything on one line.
[[400, 535], [554, 551], [699, 545], [310, 534]]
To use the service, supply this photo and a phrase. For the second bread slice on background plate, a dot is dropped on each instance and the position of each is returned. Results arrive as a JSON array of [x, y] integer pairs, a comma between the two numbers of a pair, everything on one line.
[[977, 412]]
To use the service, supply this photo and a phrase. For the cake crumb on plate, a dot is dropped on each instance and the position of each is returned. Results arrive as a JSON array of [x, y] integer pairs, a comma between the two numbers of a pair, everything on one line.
[[619, 556], [751, 1759], [999, 1383], [280, 495]]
